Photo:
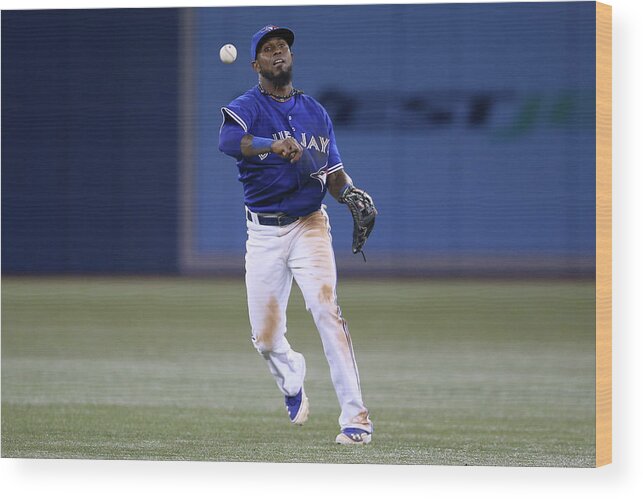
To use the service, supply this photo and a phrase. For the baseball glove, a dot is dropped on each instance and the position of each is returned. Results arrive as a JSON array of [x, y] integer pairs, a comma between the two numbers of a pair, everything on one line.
[[363, 211]]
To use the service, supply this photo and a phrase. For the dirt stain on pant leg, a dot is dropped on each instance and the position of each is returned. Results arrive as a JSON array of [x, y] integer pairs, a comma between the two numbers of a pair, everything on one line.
[[342, 335], [361, 418], [315, 225], [271, 323], [327, 297], [326, 294]]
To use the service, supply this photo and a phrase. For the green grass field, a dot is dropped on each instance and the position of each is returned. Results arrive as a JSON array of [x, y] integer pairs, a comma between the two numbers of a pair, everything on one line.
[[467, 373]]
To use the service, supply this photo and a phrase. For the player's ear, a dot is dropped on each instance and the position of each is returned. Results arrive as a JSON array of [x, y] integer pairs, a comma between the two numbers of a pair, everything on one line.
[[255, 66]]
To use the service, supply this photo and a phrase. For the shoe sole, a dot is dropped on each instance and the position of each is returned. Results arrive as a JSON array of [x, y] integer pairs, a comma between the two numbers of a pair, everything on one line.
[[346, 440], [304, 410]]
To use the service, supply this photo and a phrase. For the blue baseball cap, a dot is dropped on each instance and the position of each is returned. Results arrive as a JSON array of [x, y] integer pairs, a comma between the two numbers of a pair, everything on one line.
[[270, 32]]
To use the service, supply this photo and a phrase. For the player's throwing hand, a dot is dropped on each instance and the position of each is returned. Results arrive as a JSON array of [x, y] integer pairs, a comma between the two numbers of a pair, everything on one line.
[[288, 148]]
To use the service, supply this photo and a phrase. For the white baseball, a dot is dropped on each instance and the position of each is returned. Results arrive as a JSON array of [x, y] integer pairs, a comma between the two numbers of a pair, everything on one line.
[[228, 53]]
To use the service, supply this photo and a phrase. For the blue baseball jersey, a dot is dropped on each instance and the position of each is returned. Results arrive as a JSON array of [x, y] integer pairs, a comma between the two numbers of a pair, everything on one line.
[[272, 184]]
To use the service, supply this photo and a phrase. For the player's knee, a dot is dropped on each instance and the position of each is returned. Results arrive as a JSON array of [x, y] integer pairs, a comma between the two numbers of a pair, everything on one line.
[[268, 332], [268, 340], [261, 345], [325, 312]]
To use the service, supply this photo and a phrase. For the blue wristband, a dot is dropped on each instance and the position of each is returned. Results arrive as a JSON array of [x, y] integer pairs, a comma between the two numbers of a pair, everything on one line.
[[261, 143]]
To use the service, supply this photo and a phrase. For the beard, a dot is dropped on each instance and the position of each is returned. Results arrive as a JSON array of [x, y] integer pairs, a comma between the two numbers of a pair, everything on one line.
[[280, 79]]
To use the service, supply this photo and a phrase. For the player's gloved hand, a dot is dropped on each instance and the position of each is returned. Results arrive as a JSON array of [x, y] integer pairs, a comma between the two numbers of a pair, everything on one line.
[[363, 211], [288, 148]]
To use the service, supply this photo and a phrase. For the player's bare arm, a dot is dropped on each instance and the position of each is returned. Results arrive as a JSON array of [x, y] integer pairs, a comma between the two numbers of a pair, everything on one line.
[[336, 182], [287, 148]]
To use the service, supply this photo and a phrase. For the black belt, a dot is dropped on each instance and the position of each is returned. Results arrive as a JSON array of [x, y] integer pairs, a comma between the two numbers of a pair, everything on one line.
[[276, 220]]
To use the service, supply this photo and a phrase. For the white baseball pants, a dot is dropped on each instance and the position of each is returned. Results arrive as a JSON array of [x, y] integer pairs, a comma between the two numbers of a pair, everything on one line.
[[303, 250]]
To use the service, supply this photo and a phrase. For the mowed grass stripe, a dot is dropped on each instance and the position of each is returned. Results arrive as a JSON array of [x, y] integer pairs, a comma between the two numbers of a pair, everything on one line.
[[480, 373]]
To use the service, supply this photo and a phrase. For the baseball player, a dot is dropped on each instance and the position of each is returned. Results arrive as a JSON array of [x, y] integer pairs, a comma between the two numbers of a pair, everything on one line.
[[288, 159]]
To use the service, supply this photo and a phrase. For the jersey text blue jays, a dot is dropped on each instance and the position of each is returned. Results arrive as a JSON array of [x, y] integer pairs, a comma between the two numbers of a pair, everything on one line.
[[271, 183]]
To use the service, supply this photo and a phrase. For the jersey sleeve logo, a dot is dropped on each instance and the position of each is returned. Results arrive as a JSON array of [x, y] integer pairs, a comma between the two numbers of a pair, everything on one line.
[[263, 156]]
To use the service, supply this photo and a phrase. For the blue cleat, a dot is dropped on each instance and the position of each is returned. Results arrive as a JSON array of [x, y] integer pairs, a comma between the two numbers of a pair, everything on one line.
[[353, 436], [297, 407]]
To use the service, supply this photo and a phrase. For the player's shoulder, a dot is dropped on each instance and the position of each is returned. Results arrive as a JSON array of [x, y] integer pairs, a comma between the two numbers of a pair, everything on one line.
[[246, 100], [310, 101]]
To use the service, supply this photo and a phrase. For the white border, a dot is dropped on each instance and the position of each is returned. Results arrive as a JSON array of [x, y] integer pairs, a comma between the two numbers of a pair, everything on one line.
[[118, 479]]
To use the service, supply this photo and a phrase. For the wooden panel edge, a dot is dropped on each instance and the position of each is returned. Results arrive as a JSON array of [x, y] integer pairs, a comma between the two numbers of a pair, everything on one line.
[[603, 234]]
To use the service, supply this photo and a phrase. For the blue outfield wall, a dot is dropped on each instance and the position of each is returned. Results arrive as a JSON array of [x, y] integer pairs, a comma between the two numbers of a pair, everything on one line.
[[89, 147], [472, 125]]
